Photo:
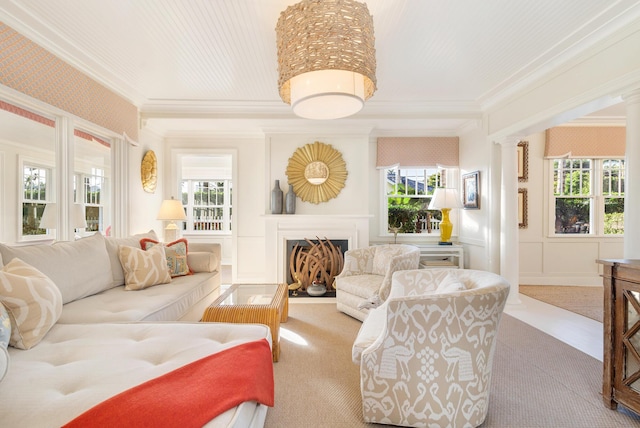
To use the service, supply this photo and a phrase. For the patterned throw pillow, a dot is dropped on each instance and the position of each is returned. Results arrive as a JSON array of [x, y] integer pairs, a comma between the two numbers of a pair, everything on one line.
[[143, 269], [5, 335], [33, 301], [176, 252]]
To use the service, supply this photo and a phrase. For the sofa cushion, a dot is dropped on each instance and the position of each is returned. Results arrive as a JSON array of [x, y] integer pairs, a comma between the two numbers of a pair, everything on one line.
[[176, 253], [143, 269], [79, 268], [113, 245], [363, 286], [33, 301]]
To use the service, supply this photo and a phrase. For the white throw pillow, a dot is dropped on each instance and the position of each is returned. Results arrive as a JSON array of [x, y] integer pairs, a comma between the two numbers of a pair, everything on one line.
[[144, 269], [33, 301], [79, 268]]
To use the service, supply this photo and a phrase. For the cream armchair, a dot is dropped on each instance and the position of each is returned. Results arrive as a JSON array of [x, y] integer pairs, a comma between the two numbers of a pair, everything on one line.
[[426, 353], [365, 280]]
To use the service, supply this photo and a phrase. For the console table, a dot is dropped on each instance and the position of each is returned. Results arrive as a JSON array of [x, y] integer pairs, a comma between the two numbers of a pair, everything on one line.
[[434, 256], [621, 362]]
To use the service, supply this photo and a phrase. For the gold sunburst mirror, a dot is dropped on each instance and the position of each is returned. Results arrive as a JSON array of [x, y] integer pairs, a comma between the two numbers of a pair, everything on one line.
[[149, 172], [317, 172]]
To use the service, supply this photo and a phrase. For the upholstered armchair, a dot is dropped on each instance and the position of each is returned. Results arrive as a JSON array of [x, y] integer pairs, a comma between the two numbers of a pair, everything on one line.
[[426, 353], [365, 280]]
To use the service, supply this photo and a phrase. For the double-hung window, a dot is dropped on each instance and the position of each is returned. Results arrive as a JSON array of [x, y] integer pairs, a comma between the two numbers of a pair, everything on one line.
[[208, 205], [407, 193], [35, 195], [588, 196]]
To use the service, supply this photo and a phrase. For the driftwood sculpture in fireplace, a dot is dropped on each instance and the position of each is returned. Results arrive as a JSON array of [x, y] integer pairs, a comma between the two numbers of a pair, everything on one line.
[[321, 262]]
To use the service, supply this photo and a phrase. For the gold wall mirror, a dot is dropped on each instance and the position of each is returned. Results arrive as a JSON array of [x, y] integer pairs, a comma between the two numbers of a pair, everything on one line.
[[317, 172]]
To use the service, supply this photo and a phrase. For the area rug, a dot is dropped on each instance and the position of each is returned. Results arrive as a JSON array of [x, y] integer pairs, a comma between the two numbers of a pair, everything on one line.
[[586, 301], [537, 381]]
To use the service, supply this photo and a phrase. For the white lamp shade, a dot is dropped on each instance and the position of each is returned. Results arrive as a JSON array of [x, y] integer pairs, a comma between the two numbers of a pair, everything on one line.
[[79, 216], [171, 209], [445, 198], [327, 94], [49, 216]]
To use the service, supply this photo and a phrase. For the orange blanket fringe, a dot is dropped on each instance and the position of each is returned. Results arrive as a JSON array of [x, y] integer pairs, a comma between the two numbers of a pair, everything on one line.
[[192, 395]]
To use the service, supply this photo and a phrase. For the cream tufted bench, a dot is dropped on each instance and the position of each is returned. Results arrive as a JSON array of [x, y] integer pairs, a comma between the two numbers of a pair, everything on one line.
[[77, 366], [426, 353]]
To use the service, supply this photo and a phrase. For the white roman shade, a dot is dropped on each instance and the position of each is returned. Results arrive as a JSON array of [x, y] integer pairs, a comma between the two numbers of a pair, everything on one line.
[[585, 142]]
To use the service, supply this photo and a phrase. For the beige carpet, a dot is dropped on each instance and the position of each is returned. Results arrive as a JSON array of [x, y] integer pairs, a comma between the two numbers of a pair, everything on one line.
[[587, 301], [538, 381]]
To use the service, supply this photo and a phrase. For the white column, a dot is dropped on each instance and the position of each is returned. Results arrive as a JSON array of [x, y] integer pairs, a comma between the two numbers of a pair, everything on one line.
[[632, 177], [509, 235]]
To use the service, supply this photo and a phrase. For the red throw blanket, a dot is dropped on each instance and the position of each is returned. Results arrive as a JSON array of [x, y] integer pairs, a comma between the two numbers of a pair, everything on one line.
[[193, 394]]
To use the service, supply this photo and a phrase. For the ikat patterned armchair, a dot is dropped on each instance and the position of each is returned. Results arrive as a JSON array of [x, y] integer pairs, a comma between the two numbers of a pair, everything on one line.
[[426, 353], [365, 280]]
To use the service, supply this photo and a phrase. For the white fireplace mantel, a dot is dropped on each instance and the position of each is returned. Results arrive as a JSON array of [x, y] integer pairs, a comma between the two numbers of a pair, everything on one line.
[[280, 228]]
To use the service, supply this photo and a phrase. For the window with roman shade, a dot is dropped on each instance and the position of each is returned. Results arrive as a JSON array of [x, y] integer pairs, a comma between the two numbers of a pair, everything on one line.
[[411, 168], [588, 173]]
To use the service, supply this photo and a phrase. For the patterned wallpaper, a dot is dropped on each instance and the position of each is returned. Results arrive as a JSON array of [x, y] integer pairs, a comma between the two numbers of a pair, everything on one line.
[[417, 151], [28, 68], [585, 142]]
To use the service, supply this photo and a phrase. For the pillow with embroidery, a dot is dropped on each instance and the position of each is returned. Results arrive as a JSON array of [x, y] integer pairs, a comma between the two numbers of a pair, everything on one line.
[[176, 253], [143, 269], [33, 301]]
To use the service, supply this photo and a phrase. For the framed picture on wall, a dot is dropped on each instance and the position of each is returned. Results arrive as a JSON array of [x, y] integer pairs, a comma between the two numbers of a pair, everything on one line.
[[523, 161], [522, 208], [471, 190]]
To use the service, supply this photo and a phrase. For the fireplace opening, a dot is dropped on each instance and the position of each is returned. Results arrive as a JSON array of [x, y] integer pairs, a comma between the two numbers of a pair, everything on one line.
[[313, 264]]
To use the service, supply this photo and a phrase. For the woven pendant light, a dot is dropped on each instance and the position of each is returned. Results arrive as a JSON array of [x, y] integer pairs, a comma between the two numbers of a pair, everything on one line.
[[326, 57]]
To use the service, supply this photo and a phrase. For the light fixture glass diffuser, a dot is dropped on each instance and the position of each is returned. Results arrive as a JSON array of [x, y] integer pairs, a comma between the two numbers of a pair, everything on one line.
[[326, 57]]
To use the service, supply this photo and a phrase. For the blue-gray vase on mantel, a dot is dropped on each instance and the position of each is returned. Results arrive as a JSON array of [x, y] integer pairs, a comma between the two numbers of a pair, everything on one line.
[[276, 199], [290, 201]]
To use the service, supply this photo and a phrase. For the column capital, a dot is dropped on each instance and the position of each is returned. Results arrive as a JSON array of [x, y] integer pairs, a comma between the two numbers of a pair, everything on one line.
[[511, 140], [632, 97]]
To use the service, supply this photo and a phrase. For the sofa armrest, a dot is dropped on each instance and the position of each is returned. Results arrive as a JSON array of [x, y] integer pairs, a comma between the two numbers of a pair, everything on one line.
[[401, 262], [204, 257]]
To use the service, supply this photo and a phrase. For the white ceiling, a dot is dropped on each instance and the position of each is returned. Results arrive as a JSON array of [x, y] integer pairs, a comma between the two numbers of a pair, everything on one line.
[[203, 65]]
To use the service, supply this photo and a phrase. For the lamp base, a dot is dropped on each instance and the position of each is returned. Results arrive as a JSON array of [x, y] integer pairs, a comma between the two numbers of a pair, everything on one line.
[[445, 243]]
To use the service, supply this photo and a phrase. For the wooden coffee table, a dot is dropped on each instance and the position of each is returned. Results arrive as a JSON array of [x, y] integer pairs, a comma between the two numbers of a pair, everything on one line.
[[253, 303]]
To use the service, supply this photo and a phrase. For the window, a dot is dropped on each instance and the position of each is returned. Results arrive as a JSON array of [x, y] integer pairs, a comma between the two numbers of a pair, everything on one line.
[[93, 186], [588, 196], [407, 192], [35, 182], [208, 206]]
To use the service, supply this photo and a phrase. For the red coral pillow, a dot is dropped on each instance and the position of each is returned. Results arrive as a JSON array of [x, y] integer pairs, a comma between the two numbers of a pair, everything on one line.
[[176, 253]]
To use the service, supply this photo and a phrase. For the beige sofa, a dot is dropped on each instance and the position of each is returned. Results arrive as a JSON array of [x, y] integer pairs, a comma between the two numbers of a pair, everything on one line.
[[426, 353], [107, 339], [365, 280]]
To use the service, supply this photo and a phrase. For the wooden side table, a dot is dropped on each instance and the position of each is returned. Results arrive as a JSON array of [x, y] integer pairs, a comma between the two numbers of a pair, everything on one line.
[[253, 304]]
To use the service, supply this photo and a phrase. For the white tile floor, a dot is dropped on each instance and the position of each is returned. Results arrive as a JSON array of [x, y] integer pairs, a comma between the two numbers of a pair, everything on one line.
[[576, 330]]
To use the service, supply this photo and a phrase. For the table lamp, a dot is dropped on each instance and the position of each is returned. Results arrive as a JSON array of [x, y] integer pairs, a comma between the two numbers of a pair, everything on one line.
[[49, 216], [445, 199], [171, 210]]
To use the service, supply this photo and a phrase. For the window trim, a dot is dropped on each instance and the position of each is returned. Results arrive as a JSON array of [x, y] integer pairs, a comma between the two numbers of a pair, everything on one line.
[[451, 178], [27, 161], [596, 195]]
